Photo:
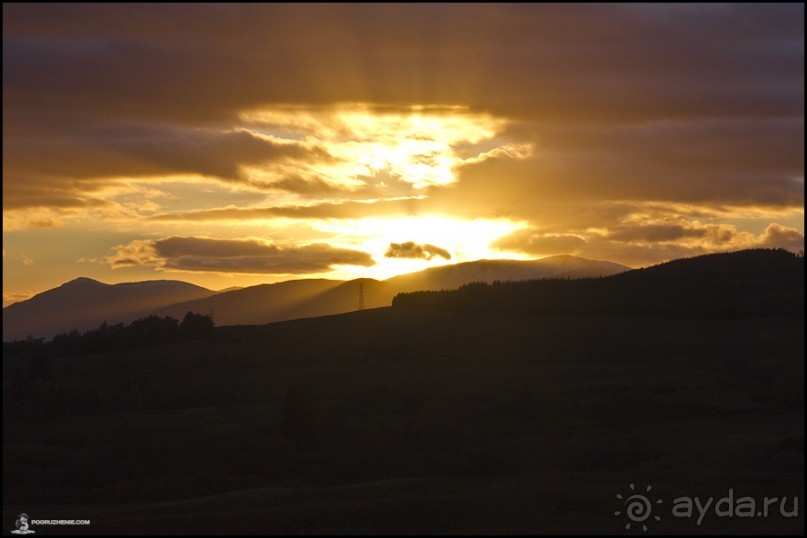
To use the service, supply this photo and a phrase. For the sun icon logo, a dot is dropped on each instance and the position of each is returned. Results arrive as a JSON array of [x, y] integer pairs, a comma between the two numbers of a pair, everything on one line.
[[638, 507]]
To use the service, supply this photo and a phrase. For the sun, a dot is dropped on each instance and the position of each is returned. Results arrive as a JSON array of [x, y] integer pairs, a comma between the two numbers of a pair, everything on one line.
[[465, 240]]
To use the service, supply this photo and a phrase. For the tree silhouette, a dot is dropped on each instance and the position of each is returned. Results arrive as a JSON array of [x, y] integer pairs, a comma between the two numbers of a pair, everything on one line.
[[143, 332], [196, 326]]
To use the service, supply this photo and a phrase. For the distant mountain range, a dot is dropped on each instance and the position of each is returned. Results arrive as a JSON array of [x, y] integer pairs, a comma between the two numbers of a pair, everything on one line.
[[84, 303]]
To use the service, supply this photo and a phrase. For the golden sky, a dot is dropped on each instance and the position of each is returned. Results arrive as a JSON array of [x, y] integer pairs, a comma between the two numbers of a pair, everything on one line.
[[235, 145]]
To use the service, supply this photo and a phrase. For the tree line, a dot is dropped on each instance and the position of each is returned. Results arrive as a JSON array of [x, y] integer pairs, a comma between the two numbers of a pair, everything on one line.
[[143, 332]]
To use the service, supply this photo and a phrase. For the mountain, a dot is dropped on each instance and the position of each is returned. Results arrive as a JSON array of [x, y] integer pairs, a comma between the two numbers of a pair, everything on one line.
[[453, 276], [292, 299], [749, 283], [85, 303]]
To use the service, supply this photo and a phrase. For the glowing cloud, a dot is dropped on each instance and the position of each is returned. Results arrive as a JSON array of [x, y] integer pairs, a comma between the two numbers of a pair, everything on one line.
[[418, 146]]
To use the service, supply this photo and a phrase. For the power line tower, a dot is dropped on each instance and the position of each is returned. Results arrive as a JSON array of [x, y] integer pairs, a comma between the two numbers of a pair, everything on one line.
[[361, 295]]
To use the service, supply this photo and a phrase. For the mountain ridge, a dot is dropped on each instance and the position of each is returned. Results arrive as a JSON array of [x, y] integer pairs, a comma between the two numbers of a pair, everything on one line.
[[263, 303]]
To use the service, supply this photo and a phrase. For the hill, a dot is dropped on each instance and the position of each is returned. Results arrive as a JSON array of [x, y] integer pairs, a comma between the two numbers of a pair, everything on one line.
[[758, 282], [292, 299], [85, 303], [453, 276], [394, 420]]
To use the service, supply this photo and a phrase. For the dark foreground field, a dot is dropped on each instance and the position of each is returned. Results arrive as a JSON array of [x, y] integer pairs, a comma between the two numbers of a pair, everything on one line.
[[392, 420]]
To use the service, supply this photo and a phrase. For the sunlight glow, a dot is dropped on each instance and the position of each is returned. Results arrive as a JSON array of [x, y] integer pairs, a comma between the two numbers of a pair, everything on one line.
[[465, 240], [419, 146]]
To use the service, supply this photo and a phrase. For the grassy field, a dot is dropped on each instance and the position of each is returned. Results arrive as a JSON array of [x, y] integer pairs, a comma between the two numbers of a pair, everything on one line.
[[390, 420]]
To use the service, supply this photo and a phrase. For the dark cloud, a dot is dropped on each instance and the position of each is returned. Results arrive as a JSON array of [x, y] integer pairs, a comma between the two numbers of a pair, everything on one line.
[[731, 162], [204, 63], [311, 187], [593, 246], [537, 243], [566, 62], [410, 249], [326, 210], [235, 256], [654, 233], [58, 171], [50, 194]]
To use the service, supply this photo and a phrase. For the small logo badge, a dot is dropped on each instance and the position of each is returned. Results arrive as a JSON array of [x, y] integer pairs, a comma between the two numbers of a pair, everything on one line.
[[22, 525], [637, 507]]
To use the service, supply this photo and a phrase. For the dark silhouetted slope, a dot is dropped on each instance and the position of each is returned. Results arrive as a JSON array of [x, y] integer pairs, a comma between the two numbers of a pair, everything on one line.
[[748, 283], [412, 421]]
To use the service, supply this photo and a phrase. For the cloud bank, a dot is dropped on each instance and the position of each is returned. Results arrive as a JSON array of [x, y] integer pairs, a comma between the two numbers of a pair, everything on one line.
[[234, 256]]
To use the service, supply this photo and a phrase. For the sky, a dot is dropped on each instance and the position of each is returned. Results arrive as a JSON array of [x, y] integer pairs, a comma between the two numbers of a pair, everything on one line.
[[232, 145]]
